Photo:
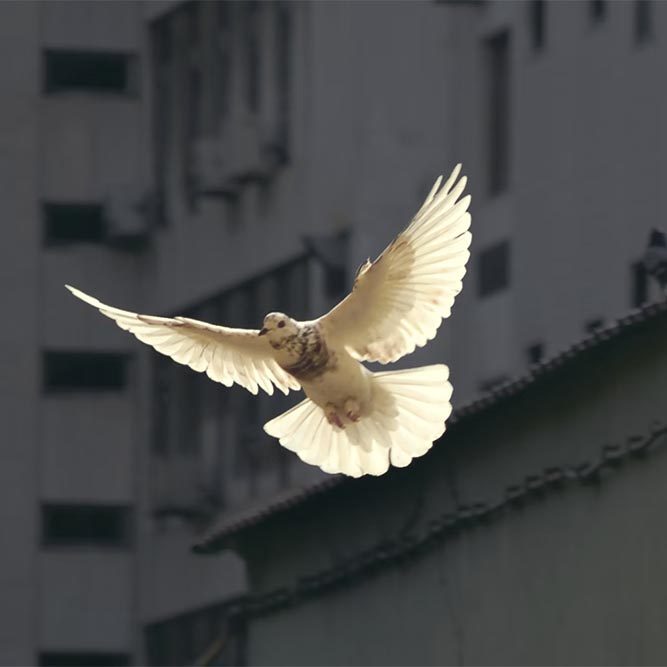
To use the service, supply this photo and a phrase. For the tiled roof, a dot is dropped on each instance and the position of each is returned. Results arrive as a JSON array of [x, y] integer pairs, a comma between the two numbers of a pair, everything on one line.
[[233, 522], [214, 537]]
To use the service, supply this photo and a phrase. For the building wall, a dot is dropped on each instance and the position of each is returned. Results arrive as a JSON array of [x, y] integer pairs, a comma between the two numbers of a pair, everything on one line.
[[73, 447], [19, 261], [586, 156], [346, 123], [574, 577], [86, 601]]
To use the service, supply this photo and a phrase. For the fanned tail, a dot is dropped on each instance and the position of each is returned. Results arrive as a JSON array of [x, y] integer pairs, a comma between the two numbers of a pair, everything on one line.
[[409, 411]]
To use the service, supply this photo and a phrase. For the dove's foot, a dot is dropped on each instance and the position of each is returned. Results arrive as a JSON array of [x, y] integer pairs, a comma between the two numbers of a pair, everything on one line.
[[352, 410], [332, 415]]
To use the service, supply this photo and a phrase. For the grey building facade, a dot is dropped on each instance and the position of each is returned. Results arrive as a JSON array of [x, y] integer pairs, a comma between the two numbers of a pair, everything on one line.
[[170, 157], [73, 136]]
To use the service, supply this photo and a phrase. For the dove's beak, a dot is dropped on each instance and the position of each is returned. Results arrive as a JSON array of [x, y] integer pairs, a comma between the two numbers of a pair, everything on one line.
[[263, 331]]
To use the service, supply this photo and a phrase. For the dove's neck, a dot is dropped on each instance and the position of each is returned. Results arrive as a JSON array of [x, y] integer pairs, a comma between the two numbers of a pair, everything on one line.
[[286, 347], [304, 355]]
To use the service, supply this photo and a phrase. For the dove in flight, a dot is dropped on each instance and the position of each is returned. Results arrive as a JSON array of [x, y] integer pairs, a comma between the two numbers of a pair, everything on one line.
[[353, 421]]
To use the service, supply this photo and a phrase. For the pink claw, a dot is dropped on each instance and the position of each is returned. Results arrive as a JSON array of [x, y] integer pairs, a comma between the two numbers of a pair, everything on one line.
[[333, 417]]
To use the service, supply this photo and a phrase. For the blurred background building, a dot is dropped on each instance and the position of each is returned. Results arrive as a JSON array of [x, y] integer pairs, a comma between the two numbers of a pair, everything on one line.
[[222, 159]]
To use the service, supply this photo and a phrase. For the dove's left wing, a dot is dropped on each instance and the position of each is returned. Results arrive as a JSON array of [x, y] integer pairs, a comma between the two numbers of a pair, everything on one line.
[[226, 355], [398, 302]]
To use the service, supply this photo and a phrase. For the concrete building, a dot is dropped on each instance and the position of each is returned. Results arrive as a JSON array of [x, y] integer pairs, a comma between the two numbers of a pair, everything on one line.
[[170, 157], [73, 134], [76, 495], [557, 117]]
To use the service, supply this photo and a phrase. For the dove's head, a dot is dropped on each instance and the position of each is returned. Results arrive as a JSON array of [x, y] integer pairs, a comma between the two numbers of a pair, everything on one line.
[[278, 326]]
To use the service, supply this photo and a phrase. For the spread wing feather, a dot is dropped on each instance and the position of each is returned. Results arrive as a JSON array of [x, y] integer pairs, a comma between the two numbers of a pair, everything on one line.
[[399, 300], [226, 355]]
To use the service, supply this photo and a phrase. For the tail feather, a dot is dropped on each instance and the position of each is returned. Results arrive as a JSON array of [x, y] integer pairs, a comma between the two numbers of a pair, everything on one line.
[[410, 408], [292, 420], [400, 458]]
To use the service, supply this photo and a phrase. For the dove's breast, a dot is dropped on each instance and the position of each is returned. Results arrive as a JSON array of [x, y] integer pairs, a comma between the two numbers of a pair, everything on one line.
[[314, 357], [327, 375], [344, 378]]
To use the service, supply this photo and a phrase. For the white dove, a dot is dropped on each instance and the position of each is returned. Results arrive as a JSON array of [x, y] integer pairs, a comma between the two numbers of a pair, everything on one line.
[[353, 421]]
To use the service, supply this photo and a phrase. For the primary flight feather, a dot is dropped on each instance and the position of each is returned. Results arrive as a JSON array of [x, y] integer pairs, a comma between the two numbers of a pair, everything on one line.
[[353, 421]]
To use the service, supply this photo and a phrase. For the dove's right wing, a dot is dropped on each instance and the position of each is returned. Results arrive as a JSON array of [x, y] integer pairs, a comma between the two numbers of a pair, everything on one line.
[[226, 355], [398, 301]]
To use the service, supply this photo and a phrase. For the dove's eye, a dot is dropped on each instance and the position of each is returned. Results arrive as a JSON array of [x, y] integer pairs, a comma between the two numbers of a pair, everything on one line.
[[281, 324]]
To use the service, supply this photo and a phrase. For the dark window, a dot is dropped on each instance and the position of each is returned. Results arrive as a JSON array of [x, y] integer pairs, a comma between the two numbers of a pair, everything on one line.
[[81, 659], [251, 454], [222, 37], [643, 20], [493, 269], [281, 296], [639, 279], [188, 84], [299, 287], [206, 636], [161, 41], [535, 353], [177, 408], [190, 419], [73, 223], [192, 132], [85, 525], [163, 389], [65, 371], [537, 19], [330, 252], [498, 110], [86, 70], [193, 14], [597, 10], [291, 289], [252, 44], [252, 315], [594, 325], [161, 47], [283, 80]]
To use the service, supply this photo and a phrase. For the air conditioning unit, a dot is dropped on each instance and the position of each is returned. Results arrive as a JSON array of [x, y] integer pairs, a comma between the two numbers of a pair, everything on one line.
[[211, 167], [231, 157], [242, 141], [127, 215]]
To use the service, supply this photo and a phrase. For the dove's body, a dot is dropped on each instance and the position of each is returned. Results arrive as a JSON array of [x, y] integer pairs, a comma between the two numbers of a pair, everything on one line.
[[347, 380], [353, 421], [329, 376], [303, 352]]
